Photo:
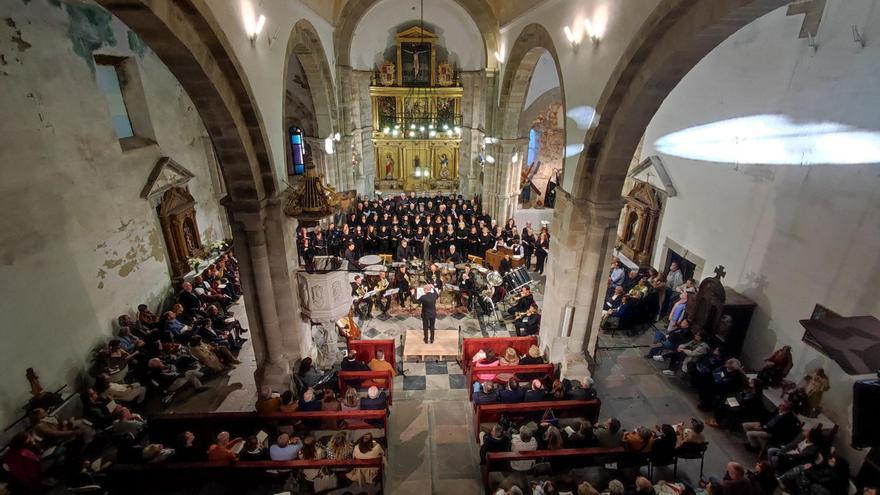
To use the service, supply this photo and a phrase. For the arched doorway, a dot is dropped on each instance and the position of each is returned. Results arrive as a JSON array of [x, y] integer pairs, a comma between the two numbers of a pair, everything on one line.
[[503, 185]]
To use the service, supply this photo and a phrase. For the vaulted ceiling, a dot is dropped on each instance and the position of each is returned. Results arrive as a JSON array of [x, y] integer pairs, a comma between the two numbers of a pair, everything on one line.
[[503, 10]]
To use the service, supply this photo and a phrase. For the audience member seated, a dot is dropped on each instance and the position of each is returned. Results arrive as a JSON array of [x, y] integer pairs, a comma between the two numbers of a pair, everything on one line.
[[96, 409], [214, 358], [782, 428], [493, 441], [532, 357], [482, 360], [252, 450], [49, 431], [366, 448], [374, 401], [581, 437], [734, 481], [829, 477], [523, 442], [350, 400], [186, 450], [218, 337], [171, 380], [351, 363], [128, 423], [666, 342], [330, 403], [580, 390], [192, 305], [686, 354], [309, 403], [267, 402], [536, 393], [285, 448], [552, 437], [221, 449], [308, 374], [378, 363], [776, 367], [727, 381], [510, 358], [609, 434], [22, 462], [486, 395], [640, 440], [147, 318], [692, 435], [512, 393], [796, 453]]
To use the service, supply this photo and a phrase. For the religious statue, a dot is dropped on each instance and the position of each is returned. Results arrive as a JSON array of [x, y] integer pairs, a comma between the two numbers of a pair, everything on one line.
[[416, 63], [444, 167], [389, 167], [444, 74], [386, 74]]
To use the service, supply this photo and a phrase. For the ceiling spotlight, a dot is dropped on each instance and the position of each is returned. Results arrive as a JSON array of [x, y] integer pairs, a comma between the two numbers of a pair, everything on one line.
[[445, 127], [490, 159], [457, 129], [386, 130], [412, 133], [395, 133], [422, 129], [432, 133], [412, 126]]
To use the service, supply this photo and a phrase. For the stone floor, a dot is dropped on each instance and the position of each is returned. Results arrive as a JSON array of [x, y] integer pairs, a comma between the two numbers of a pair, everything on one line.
[[431, 441]]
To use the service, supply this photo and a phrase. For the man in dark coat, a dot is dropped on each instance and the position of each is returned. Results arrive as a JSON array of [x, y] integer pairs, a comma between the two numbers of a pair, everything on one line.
[[428, 300]]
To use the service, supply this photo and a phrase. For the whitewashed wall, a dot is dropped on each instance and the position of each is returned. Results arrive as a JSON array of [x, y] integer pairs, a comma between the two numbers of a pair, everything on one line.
[[790, 236], [78, 246]]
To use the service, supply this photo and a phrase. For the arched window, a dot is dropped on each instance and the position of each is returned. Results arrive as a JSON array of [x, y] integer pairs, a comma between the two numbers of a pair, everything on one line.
[[297, 163]]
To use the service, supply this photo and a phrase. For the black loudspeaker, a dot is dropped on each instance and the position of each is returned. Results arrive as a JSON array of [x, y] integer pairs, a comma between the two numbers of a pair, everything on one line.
[[866, 404]]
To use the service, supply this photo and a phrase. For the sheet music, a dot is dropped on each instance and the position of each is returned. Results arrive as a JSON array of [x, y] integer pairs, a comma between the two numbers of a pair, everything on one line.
[[420, 292], [451, 287], [391, 292]]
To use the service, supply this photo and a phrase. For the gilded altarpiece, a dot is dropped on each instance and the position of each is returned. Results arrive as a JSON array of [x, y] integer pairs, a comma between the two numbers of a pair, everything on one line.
[[416, 105]]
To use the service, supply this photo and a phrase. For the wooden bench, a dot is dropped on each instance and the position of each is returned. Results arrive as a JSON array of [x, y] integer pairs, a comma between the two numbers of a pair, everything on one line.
[[243, 474], [366, 350], [591, 456], [165, 428], [587, 409], [469, 347], [526, 369]]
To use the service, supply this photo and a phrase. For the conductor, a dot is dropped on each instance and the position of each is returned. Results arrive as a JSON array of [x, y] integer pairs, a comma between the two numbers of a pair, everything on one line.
[[428, 300]]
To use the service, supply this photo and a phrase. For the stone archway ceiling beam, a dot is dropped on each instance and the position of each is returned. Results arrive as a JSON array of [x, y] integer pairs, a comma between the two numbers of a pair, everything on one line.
[[354, 10], [305, 44], [521, 62], [674, 38], [186, 40]]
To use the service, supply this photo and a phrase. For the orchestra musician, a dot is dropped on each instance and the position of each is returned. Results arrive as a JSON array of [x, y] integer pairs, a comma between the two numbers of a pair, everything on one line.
[[403, 251], [363, 306], [467, 286], [433, 276], [380, 300], [523, 302], [505, 265], [527, 324], [403, 284], [351, 258], [516, 248], [454, 256], [428, 300]]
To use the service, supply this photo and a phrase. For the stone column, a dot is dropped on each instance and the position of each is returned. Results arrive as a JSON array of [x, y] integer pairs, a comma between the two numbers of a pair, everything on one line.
[[501, 180], [473, 115], [250, 243], [356, 128], [581, 242]]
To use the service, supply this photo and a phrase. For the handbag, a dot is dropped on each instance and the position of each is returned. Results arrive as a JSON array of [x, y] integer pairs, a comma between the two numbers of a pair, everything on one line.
[[550, 418], [543, 468], [325, 481]]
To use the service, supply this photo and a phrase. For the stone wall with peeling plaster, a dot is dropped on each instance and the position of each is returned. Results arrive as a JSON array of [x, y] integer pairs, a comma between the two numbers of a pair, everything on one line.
[[78, 245]]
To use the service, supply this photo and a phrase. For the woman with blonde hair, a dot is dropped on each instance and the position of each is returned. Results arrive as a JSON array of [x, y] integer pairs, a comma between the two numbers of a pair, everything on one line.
[[533, 356], [510, 358]]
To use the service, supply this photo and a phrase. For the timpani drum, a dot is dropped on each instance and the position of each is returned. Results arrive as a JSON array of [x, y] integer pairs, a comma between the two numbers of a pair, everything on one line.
[[370, 259], [516, 278]]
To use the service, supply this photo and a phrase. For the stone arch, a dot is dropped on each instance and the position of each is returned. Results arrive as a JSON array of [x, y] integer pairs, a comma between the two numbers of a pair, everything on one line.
[[354, 11], [674, 38], [187, 39], [531, 43], [305, 44]]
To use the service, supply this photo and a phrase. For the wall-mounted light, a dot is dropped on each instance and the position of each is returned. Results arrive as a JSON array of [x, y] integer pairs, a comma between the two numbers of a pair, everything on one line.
[[498, 57], [857, 36], [515, 158], [490, 159], [253, 25], [811, 42], [337, 137], [329, 146], [593, 31], [573, 35]]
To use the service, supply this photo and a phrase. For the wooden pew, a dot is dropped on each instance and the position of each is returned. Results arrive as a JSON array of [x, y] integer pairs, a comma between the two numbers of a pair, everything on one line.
[[591, 456], [344, 376], [123, 477], [366, 350], [469, 347], [587, 409], [546, 369], [165, 428]]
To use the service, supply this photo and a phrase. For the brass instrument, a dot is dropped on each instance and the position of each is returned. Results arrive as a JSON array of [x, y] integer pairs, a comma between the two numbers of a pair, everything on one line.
[[360, 291]]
